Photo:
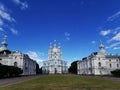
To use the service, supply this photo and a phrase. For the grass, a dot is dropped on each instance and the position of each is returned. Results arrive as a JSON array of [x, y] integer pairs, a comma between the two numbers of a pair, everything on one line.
[[65, 82]]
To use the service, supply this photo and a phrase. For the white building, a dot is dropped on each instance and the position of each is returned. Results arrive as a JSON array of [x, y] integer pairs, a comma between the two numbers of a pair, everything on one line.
[[17, 59], [54, 64], [98, 63]]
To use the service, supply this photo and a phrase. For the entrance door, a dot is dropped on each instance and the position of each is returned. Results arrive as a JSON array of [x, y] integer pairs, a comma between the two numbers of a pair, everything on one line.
[[55, 70]]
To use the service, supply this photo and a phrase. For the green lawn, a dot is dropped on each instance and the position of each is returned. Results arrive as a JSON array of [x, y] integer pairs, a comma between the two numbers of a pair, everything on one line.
[[65, 82]]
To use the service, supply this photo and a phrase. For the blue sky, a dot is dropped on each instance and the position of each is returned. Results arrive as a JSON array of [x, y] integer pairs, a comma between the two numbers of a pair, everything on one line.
[[79, 25]]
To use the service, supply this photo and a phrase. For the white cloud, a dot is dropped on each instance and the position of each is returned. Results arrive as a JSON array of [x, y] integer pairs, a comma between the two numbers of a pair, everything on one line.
[[68, 38], [1, 22], [93, 42], [23, 5], [35, 56], [113, 45], [116, 37], [2, 7], [116, 30], [116, 48], [14, 31], [6, 20], [67, 35], [5, 15], [1, 29], [114, 16], [105, 32]]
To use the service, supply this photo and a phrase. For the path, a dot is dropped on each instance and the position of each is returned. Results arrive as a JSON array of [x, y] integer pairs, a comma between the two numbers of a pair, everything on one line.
[[11, 81]]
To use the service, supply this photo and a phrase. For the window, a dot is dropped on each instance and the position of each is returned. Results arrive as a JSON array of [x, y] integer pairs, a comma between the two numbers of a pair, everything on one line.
[[55, 62], [117, 65], [99, 64], [15, 64], [110, 65]]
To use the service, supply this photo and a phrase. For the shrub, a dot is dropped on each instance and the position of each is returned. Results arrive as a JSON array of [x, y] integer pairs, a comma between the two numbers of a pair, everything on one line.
[[9, 71], [116, 73]]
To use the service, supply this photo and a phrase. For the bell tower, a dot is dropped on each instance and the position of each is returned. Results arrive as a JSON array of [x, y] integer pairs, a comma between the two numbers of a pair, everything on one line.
[[4, 44], [102, 50], [55, 52]]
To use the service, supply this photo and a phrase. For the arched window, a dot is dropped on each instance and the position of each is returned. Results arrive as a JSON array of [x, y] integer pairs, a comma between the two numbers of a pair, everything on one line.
[[110, 65], [15, 64], [99, 64], [15, 57], [98, 58]]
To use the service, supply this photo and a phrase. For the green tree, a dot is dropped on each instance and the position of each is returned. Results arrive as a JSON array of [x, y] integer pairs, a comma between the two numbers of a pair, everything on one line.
[[73, 68], [37, 68], [9, 71], [116, 73]]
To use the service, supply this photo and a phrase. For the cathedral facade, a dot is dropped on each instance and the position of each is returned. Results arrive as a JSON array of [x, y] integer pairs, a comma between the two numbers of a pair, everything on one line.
[[54, 64], [98, 63], [17, 59]]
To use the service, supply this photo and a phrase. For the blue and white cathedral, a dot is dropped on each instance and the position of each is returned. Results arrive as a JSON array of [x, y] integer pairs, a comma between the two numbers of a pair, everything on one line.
[[54, 64]]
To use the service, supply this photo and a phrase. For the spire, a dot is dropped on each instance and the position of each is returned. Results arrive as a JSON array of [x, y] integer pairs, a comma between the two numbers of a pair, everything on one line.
[[101, 45], [4, 43], [50, 45], [55, 43]]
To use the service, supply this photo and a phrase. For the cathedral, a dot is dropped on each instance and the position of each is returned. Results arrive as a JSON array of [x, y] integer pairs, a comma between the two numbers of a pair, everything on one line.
[[54, 64], [98, 63], [17, 59]]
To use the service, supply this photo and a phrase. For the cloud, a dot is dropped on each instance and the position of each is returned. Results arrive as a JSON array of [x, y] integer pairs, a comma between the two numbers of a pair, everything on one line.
[[113, 45], [67, 35], [14, 31], [116, 48], [6, 20], [4, 14], [23, 5], [114, 16], [116, 30], [1, 22], [35, 56], [93, 42], [116, 37], [105, 32], [1, 29]]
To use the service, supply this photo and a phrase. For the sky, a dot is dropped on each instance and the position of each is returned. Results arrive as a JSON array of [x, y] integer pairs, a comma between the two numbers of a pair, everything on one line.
[[78, 25]]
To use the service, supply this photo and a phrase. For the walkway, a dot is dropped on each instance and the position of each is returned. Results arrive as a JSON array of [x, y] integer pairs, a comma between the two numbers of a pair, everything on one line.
[[11, 81]]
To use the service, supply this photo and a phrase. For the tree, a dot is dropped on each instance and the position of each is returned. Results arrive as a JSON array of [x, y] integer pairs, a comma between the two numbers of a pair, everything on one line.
[[37, 68], [73, 68], [40, 70], [116, 73], [9, 71]]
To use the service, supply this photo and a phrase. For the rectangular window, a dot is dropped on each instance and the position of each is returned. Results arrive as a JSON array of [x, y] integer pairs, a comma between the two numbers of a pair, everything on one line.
[[117, 65]]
